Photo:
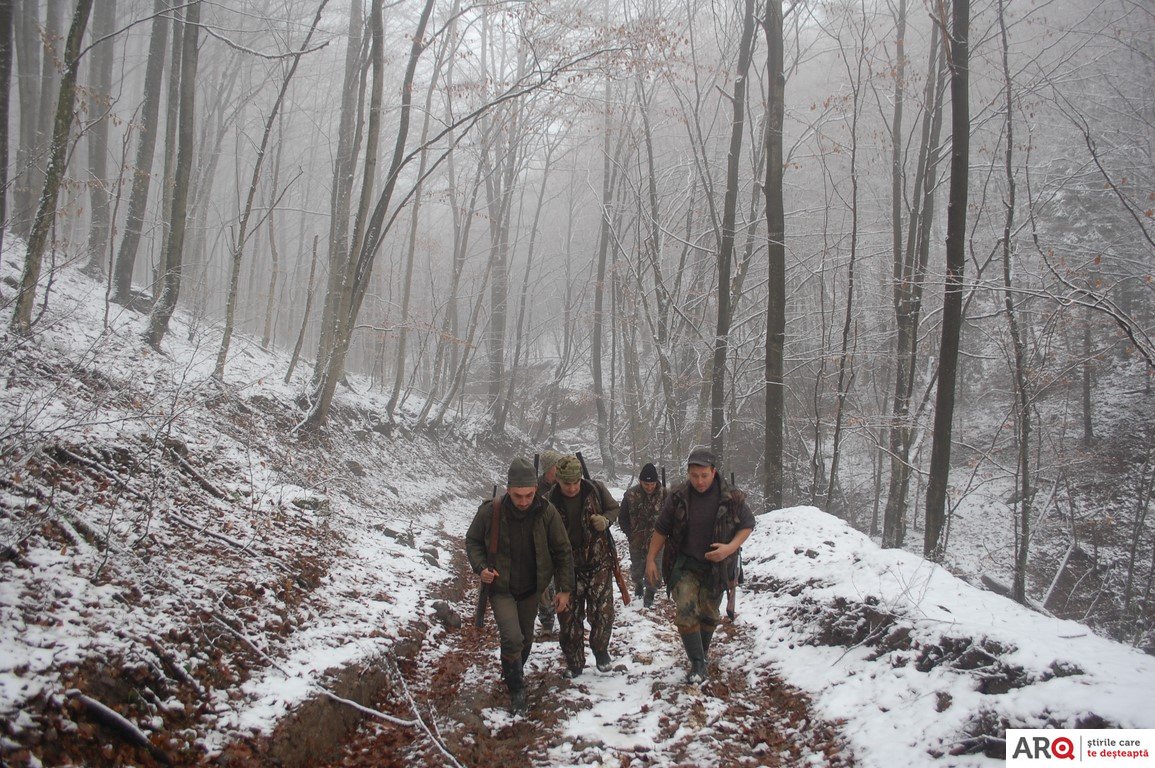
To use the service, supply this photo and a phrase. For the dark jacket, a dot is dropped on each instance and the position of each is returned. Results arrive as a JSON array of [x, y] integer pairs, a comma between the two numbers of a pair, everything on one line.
[[591, 548], [551, 545], [639, 513], [732, 516]]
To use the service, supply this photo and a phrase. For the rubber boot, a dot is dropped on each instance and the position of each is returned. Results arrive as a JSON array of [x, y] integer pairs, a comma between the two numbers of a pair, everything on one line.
[[707, 636], [603, 660], [648, 598], [693, 644], [513, 672]]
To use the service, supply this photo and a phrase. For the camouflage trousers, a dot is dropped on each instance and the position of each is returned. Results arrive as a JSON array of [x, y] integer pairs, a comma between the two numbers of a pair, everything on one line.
[[696, 598], [592, 599]]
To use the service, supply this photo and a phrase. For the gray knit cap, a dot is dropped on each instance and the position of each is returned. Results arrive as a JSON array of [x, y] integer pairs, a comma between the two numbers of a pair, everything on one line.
[[521, 474]]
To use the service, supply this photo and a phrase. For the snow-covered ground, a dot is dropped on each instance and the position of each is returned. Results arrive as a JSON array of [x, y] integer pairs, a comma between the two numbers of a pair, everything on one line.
[[282, 558]]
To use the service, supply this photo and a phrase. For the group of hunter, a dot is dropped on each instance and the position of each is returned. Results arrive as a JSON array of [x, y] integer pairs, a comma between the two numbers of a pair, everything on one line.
[[543, 549]]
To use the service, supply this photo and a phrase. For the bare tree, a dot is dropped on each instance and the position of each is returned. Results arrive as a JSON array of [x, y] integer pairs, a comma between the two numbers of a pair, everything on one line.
[[169, 290], [952, 313], [100, 105], [254, 183], [775, 258], [718, 427], [54, 173], [5, 99], [141, 171]]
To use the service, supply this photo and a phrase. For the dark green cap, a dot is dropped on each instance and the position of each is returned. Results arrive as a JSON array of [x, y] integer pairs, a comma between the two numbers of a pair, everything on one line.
[[521, 474]]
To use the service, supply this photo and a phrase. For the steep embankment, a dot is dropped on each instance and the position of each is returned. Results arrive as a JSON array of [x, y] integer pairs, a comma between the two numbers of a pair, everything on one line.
[[174, 552]]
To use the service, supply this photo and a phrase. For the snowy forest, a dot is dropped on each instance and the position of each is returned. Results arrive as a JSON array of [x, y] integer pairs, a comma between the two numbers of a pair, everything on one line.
[[892, 259]]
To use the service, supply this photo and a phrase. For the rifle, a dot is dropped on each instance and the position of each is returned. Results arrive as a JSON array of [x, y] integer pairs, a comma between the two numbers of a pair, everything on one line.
[[619, 577], [732, 586], [483, 592]]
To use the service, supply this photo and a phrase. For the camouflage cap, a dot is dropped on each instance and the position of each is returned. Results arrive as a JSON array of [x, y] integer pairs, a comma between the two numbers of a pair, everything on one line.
[[569, 469], [548, 460]]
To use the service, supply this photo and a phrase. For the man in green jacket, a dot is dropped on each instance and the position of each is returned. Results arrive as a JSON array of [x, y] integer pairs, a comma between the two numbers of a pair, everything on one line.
[[702, 524], [532, 548]]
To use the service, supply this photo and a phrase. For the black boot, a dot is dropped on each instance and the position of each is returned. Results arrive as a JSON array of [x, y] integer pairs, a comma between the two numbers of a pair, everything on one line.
[[697, 655], [513, 672], [648, 598], [603, 660]]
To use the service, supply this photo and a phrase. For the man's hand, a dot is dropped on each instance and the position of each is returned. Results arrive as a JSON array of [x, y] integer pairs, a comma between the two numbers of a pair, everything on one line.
[[561, 602], [599, 522], [488, 575], [652, 573], [719, 552]]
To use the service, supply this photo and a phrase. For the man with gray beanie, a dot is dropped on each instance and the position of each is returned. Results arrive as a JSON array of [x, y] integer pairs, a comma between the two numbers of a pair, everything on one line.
[[516, 544], [702, 524]]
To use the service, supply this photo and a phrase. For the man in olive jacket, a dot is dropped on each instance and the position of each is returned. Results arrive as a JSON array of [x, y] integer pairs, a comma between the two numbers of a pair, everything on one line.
[[532, 549], [702, 524]]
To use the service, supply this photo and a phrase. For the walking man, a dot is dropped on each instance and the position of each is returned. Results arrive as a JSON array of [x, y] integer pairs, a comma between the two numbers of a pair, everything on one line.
[[548, 468], [640, 507], [516, 549], [702, 524], [587, 508]]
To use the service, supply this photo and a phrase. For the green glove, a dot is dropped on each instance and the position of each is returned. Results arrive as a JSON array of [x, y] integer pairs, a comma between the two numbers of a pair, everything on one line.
[[599, 522]]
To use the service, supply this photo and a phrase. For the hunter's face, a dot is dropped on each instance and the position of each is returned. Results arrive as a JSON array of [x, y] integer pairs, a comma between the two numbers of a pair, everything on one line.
[[701, 477], [522, 497], [569, 490], [649, 485]]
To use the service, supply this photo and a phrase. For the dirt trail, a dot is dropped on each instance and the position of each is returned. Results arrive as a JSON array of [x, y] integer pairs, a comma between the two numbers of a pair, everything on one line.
[[639, 714]]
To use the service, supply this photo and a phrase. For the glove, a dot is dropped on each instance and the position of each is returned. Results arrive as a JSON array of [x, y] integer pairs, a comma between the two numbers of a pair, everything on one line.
[[599, 522]]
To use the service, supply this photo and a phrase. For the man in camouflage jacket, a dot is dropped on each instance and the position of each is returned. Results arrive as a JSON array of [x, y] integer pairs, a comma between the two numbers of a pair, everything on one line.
[[532, 549], [640, 507], [587, 508], [701, 527]]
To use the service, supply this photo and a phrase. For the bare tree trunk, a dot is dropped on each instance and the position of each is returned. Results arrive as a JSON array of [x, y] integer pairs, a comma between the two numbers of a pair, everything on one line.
[[274, 254], [360, 267], [718, 427], [1088, 380], [100, 104], [845, 370], [6, 58], [309, 294], [403, 330], [54, 173], [776, 261], [340, 203], [254, 184], [178, 218], [952, 315], [909, 277], [26, 41], [1024, 490], [145, 149]]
